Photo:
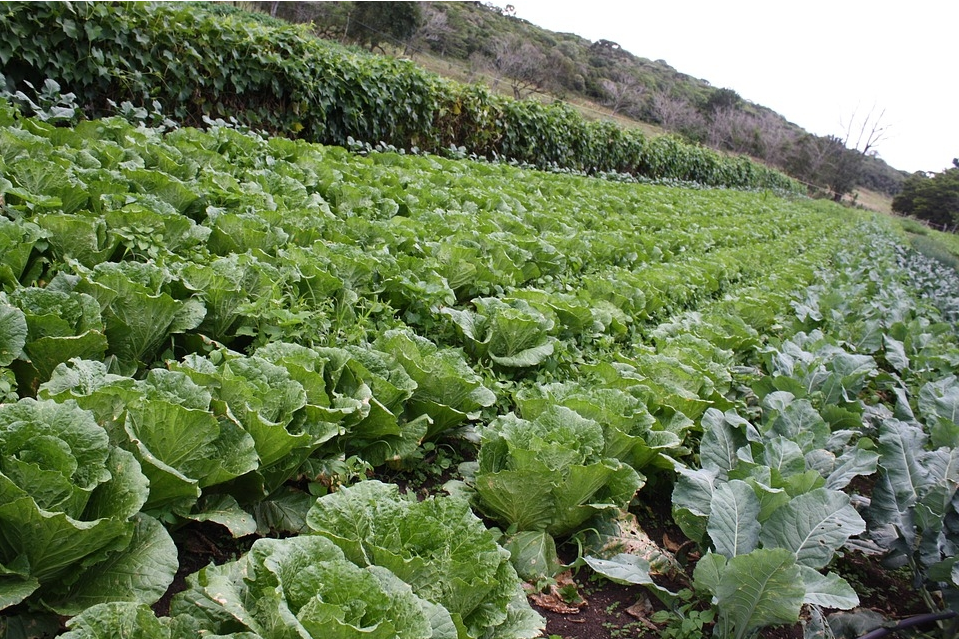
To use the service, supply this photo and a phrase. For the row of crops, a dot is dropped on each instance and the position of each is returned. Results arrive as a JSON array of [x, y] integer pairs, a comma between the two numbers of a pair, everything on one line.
[[199, 63], [213, 326]]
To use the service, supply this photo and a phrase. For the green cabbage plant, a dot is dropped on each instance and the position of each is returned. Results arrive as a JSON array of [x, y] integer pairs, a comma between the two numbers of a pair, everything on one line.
[[546, 478], [439, 547], [72, 534]]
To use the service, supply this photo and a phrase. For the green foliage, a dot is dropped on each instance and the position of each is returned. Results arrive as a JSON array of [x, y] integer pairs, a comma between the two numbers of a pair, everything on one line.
[[372, 24], [934, 199], [734, 344], [437, 546], [65, 486], [201, 65], [305, 587]]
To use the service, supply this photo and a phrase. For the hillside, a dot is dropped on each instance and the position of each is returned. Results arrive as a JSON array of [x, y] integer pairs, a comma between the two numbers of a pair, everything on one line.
[[472, 41]]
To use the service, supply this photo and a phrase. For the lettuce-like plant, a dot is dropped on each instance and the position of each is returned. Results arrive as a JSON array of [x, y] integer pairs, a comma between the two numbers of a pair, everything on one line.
[[166, 421], [550, 474], [439, 547], [447, 389], [510, 334], [73, 535], [61, 325], [304, 586]]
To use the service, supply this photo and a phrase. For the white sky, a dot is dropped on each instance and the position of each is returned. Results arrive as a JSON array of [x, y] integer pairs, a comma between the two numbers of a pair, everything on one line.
[[815, 62]]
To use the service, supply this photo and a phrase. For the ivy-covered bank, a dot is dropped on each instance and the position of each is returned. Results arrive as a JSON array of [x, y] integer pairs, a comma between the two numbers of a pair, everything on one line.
[[280, 78]]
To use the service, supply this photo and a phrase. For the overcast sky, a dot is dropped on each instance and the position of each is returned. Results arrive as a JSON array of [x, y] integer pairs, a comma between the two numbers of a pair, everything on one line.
[[816, 62]]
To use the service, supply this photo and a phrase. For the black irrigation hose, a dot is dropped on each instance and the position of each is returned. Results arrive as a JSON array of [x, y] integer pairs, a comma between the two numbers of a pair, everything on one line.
[[918, 620]]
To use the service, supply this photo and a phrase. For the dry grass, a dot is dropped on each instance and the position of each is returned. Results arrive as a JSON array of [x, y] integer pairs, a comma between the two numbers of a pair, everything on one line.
[[871, 200]]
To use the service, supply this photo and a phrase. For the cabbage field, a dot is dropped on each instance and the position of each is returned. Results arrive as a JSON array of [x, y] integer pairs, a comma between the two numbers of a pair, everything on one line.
[[416, 390]]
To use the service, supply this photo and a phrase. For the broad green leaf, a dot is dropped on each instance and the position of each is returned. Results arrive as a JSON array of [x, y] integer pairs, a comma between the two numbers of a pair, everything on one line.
[[15, 588], [899, 444], [629, 569], [709, 571], [814, 526], [140, 572], [522, 497], [801, 423], [80, 237], [692, 496], [734, 519], [851, 464], [829, 590], [284, 511], [13, 333], [720, 443], [533, 555], [895, 353], [939, 400], [224, 510], [758, 589]]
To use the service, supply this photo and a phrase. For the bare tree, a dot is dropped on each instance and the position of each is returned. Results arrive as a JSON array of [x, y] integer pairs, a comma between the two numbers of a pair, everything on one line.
[[775, 138], [732, 129], [434, 29], [624, 93], [521, 63], [864, 135], [675, 114]]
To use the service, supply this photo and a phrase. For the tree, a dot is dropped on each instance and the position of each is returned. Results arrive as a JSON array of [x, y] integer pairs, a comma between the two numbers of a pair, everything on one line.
[[934, 198], [775, 137], [373, 23], [433, 29], [732, 129], [865, 135], [521, 63], [722, 99], [624, 93], [676, 114]]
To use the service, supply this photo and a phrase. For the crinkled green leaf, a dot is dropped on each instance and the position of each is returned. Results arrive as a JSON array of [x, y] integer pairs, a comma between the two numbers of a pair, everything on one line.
[[119, 620]]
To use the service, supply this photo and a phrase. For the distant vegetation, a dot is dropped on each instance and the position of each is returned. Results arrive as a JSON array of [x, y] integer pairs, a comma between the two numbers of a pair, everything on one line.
[[195, 66], [515, 54], [933, 198]]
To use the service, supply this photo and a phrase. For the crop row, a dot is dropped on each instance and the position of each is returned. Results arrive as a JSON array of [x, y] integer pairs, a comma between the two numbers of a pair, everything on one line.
[[224, 317], [198, 65]]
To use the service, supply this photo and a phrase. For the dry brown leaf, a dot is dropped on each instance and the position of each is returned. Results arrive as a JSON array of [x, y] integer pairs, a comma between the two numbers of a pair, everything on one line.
[[551, 601], [670, 545], [554, 600], [641, 611]]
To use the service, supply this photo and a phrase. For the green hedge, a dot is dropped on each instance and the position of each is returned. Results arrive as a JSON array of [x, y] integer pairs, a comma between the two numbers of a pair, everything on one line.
[[281, 78]]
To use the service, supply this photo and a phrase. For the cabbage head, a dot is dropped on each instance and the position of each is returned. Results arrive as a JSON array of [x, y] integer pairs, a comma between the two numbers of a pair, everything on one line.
[[71, 534], [304, 587]]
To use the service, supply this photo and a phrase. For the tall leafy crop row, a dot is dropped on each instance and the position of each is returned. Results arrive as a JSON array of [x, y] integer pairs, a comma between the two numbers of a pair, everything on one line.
[[280, 78], [221, 317]]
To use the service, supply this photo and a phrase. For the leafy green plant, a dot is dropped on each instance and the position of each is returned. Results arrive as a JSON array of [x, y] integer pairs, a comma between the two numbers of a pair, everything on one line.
[[305, 585], [65, 486], [280, 77], [438, 547]]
